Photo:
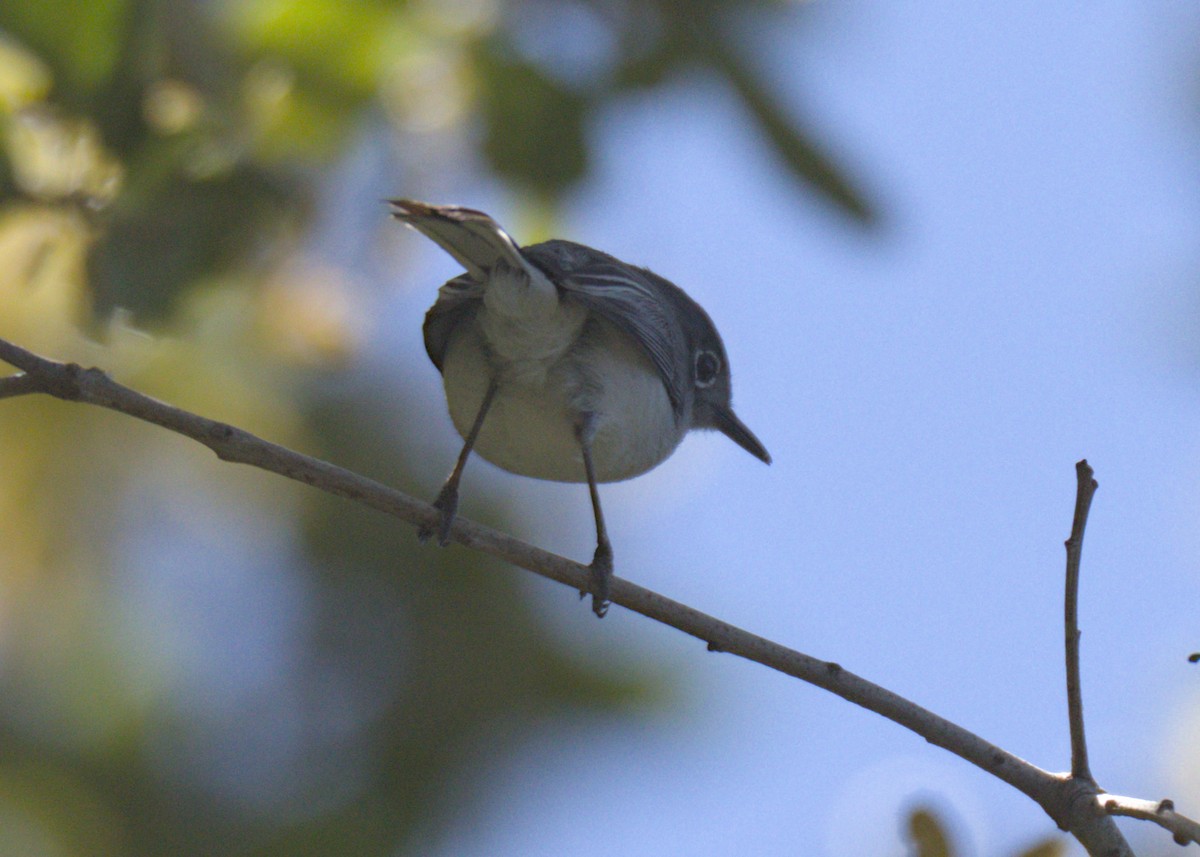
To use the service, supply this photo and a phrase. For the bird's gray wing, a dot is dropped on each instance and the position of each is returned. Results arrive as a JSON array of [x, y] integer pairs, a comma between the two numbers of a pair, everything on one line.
[[457, 301], [475, 240], [633, 300]]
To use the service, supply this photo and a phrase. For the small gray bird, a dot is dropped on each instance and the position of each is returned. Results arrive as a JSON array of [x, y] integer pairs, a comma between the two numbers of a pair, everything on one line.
[[563, 363]]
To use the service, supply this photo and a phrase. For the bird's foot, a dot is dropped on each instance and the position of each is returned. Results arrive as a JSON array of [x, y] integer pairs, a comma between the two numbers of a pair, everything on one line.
[[599, 584], [447, 504]]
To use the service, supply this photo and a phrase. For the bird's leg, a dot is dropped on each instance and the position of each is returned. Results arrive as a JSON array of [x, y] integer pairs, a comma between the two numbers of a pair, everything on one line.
[[447, 498], [602, 561]]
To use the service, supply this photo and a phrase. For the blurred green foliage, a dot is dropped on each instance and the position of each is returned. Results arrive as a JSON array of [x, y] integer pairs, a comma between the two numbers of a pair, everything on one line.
[[928, 836], [159, 162]]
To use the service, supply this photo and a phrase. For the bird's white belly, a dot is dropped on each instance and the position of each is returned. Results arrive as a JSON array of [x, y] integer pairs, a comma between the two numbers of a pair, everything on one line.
[[533, 424]]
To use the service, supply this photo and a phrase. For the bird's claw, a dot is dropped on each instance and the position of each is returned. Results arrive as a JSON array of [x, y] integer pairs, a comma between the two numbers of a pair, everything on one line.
[[447, 504], [600, 583]]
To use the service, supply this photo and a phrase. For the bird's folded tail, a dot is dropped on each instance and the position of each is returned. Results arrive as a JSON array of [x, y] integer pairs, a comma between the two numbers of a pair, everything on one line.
[[470, 236]]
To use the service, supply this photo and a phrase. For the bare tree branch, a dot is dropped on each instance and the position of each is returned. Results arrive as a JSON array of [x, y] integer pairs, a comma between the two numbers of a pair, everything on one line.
[[1073, 802], [1184, 830], [18, 385], [1085, 490]]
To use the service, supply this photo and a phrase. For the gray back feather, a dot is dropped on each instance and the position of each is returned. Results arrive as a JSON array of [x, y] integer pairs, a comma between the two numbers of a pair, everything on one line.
[[641, 304]]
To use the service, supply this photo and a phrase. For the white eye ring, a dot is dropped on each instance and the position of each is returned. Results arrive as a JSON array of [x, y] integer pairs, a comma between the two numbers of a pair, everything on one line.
[[708, 367]]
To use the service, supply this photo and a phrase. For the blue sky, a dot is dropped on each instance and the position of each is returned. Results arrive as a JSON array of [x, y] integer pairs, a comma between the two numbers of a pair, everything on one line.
[[925, 391]]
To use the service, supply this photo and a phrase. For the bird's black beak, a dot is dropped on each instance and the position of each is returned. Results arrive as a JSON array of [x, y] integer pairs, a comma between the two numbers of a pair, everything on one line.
[[726, 422]]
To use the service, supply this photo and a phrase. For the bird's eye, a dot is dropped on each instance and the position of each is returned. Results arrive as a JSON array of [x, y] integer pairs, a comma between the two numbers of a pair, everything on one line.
[[708, 366]]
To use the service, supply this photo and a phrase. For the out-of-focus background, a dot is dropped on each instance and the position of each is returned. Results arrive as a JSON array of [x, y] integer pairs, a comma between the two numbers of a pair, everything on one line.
[[952, 249]]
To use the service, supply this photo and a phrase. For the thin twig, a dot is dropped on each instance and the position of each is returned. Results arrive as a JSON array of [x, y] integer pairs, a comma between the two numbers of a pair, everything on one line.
[[1184, 830], [1070, 802], [1084, 491]]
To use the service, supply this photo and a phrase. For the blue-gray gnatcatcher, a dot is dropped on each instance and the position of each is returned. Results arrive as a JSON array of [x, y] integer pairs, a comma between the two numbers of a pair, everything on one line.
[[563, 363]]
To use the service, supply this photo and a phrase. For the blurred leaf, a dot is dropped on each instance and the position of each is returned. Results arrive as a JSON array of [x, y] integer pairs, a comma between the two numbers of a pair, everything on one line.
[[153, 251], [24, 78], [650, 68], [54, 157], [927, 835], [286, 122], [663, 38], [1047, 848], [43, 282], [314, 63], [49, 812], [534, 126], [80, 41], [652, 46], [800, 153], [336, 43]]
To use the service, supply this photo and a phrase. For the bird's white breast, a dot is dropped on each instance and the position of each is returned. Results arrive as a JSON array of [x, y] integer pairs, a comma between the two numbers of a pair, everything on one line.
[[566, 370]]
